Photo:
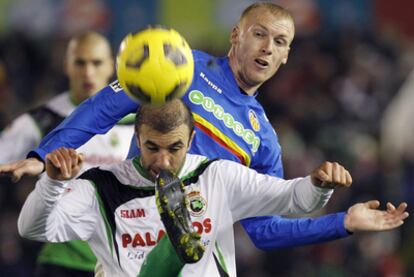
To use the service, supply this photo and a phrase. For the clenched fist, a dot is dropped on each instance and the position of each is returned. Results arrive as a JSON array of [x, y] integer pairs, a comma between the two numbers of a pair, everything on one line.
[[63, 164], [331, 175]]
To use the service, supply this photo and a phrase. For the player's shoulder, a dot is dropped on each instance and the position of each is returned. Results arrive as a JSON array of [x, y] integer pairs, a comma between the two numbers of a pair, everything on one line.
[[191, 163], [226, 165], [61, 104], [200, 56]]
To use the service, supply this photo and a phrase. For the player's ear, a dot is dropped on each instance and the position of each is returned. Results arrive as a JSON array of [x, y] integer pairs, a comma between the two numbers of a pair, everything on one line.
[[190, 140], [138, 141], [234, 35], [285, 59]]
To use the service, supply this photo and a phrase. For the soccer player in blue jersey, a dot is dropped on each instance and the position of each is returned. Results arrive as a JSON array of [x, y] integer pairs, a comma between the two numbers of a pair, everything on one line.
[[229, 122]]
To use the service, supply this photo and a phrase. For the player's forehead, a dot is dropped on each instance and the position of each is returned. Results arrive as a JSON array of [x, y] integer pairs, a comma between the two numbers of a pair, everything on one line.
[[269, 20], [180, 133], [89, 50]]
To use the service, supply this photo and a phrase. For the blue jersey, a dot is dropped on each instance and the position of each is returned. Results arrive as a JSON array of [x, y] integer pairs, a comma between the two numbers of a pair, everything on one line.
[[229, 125]]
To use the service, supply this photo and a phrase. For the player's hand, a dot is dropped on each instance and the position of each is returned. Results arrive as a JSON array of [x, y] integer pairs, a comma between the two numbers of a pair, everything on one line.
[[367, 217], [331, 175], [16, 170], [63, 164]]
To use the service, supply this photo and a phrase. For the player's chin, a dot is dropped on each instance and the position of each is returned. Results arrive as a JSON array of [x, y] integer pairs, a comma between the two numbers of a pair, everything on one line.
[[256, 77]]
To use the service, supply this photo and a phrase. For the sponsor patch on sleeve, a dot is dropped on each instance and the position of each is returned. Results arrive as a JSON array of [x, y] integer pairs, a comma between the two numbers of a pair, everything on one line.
[[116, 86]]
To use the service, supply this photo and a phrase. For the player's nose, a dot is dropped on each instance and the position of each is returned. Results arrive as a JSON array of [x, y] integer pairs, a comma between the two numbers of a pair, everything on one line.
[[163, 161], [266, 46], [88, 70]]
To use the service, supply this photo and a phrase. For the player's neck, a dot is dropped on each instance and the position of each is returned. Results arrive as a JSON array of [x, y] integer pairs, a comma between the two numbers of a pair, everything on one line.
[[244, 87]]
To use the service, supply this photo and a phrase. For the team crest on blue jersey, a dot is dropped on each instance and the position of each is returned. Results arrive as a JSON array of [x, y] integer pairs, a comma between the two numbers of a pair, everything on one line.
[[197, 205], [254, 121], [116, 86]]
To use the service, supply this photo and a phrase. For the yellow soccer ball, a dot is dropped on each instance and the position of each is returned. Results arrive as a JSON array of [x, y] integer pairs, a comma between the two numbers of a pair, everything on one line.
[[155, 65]]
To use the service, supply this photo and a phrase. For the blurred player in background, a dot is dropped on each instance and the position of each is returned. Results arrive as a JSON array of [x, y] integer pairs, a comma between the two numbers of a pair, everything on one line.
[[230, 123], [89, 66]]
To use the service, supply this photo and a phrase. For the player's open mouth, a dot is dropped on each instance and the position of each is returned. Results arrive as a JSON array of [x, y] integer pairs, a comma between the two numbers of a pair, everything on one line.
[[88, 86], [261, 63]]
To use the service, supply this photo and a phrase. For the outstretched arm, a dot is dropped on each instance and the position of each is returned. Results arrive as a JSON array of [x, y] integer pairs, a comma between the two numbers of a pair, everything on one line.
[[56, 210], [96, 115], [250, 193], [275, 232]]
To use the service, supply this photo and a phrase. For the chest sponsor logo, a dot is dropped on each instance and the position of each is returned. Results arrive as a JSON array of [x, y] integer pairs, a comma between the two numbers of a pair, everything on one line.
[[197, 205], [254, 121], [210, 83], [116, 86], [207, 103], [133, 213], [142, 239]]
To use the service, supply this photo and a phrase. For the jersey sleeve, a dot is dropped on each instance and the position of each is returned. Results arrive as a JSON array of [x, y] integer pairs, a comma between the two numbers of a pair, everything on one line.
[[274, 232], [18, 138], [252, 194], [59, 211], [96, 115]]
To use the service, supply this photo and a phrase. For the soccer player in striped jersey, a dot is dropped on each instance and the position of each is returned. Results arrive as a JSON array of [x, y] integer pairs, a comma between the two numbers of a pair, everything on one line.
[[113, 207], [88, 65]]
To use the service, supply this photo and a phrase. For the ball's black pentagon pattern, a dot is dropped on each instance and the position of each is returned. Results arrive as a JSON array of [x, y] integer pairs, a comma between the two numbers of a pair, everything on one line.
[[137, 64], [174, 54], [138, 93], [177, 90]]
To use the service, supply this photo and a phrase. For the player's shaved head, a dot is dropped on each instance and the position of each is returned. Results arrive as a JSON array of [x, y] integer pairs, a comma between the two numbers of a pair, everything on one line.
[[89, 38], [276, 10], [164, 118]]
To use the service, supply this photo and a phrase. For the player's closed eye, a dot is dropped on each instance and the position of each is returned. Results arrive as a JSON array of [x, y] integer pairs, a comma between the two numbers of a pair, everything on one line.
[[152, 149], [97, 62], [279, 41], [174, 149], [80, 62], [259, 34]]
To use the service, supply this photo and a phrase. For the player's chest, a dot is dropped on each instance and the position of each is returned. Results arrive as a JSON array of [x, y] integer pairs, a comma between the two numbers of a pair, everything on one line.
[[225, 119], [138, 224]]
